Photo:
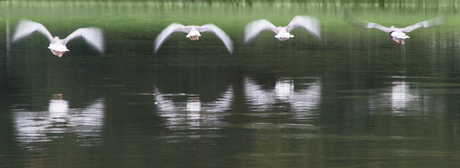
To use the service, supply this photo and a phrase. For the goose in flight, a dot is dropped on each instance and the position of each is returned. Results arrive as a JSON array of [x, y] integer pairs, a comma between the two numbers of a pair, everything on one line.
[[193, 32], [310, 24], [92, 35], [396, 34]]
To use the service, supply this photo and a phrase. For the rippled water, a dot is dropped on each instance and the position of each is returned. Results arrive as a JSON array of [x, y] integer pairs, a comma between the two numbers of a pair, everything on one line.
[[354, 98]]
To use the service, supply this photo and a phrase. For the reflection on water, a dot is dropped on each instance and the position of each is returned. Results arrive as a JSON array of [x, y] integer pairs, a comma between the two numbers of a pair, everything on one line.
[[284, 89], [402, 95], [192, 114], [403, 98], [59, 120], [283, 94], [301, 103], [193, 104]]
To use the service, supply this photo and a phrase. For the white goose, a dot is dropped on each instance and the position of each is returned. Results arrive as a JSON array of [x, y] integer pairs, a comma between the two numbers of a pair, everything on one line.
[[193, 32], [396, 34], [310, 24], [92, 35]]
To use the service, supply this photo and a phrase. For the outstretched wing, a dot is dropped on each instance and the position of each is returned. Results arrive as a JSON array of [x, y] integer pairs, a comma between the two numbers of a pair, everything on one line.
[[219, 33], [429, 23], [161, 38], [361, 23], [255, 27], [310, 24], [27, 27], [92, 36]]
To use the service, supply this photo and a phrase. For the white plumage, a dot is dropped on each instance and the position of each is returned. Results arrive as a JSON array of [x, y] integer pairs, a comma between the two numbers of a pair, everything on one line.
[[193, 32], [310, 24], [397, 34], [92, 36]]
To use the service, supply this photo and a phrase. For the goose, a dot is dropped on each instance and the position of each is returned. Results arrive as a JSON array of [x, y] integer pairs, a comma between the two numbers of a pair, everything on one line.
[[92, 36], [193, 33], [310, 24], [396, 34]]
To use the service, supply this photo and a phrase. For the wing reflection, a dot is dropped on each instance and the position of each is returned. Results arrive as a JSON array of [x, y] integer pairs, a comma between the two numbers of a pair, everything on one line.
[[302, 100], [193, 112], [43, 126]]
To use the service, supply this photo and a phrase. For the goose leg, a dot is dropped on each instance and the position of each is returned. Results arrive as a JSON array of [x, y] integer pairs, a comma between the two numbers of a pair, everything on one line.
[[397, 40]]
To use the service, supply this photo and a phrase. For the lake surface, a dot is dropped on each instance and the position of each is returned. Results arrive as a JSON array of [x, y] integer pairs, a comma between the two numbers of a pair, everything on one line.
[[354, 98]]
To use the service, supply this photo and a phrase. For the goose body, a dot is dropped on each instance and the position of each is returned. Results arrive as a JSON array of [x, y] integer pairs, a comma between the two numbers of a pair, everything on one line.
[[57, 45], [283, 34], [308, 23], [396, 34], [193, 33], [92, 36], [399, 36]]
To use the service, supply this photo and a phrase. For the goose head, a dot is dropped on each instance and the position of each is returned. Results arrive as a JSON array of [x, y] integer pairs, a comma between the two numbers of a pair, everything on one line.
[[193, 34], [283, 35]]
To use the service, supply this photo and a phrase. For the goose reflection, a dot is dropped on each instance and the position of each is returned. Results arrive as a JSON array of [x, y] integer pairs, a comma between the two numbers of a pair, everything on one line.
[[406, 97], [58, 109], [92, 36], [194, 104], [265, 99], [401, 95], [402, 98], [43, 126], [193, 112]]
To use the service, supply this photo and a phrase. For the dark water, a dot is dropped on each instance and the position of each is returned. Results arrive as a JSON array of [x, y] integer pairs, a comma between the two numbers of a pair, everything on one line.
[[352, 99]]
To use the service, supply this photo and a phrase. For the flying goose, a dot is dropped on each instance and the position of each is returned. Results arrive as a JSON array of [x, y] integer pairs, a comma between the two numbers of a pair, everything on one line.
[[396, 34], [92, 36], [310, 24], [193, 32]]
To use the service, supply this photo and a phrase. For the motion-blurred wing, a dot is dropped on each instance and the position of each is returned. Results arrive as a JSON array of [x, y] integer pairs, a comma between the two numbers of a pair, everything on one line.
[[92, 36], [255, 27], [27, 27], [310, 24], [161, 38], [219, 33], [361, 23], [429, 23]]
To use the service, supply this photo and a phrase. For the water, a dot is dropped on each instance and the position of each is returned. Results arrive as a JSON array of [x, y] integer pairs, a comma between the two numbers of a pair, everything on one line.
[[352, 99]]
